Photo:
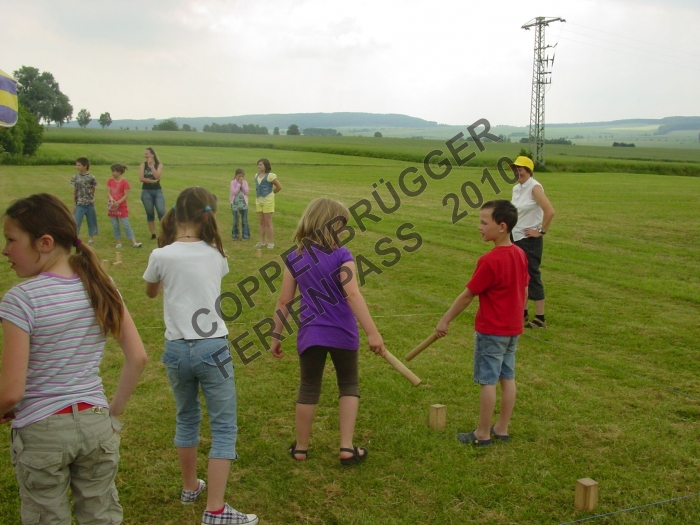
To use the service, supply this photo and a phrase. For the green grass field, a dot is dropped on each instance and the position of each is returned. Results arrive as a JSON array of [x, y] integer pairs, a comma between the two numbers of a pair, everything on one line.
[[608, 391]]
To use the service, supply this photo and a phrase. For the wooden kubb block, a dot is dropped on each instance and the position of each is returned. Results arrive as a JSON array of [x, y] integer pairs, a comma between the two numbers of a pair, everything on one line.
[[105, 265], [437, 417], [586, 497]]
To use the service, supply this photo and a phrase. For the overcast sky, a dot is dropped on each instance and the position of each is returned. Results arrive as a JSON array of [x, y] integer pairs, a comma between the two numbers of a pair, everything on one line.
[[451, 61]]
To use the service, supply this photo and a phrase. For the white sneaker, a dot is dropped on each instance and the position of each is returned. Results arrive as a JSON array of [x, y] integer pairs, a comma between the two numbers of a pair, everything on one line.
[[119, 245], [135, 245], [228, 516], [259, 245], [270, 246], [190, 496]]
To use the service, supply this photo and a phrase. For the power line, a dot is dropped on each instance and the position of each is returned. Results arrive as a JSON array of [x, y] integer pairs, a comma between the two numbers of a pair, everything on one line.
[[623, 44], [635, 39], [630, 54]]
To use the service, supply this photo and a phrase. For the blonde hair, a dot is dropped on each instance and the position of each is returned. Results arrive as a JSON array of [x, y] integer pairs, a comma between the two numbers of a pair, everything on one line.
[[318, 224]]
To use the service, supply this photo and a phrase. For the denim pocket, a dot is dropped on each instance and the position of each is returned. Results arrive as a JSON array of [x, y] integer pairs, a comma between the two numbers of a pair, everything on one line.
[[218, 365]]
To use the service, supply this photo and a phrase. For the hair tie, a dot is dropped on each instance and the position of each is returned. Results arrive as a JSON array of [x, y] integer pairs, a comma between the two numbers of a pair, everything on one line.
[[207, 208], [77, 242], [174, 206]]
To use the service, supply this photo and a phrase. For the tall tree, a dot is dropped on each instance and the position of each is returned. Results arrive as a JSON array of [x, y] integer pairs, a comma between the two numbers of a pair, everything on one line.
[[62, 111], [293, 130], [84, 118], [41, 95], [276, 131], [105, 120]]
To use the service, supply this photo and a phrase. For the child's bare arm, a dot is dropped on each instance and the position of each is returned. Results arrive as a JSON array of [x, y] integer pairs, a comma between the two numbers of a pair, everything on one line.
[[134, 363], [277, 186], [15, 361], [463, 300], [152, 289], [359, 308], [289, 288]]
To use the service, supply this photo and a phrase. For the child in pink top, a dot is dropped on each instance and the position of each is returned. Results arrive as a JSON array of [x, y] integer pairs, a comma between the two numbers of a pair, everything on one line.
[[117, 209], [239, 205]]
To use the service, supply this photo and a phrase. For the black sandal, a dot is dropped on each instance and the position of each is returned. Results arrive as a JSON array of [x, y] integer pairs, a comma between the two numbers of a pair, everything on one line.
[[356, 456], [293, 452]]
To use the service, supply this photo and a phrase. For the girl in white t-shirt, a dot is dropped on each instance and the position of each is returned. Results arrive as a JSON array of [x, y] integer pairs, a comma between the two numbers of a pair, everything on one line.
[[189, 266]]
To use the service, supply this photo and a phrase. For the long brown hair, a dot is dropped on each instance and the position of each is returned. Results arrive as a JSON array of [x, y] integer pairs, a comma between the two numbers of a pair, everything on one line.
[[44, 214], [191, 208]]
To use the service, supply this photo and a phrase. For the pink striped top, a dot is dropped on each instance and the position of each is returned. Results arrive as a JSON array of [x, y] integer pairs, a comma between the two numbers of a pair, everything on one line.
[[65, 345]]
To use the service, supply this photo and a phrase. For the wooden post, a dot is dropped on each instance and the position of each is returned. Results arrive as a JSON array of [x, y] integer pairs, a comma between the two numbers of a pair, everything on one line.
[[105, 265], [437, 417], [586, 497], [117, 259], [258, 253]]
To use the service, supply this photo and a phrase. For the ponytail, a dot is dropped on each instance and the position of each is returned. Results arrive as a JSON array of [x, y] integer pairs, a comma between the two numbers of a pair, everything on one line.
[[103, 294], [195, 206]]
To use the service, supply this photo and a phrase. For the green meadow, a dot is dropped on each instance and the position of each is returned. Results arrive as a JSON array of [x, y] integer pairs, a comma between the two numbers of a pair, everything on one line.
[[608, 391]]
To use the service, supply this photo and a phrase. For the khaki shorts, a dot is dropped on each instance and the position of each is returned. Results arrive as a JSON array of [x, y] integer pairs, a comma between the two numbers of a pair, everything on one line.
[[78, 450]]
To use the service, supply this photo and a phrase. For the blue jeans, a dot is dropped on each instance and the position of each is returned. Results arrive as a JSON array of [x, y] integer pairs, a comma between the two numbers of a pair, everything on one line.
[[494, 358], [89, 212], [245, 229], [151, 199], [127, 228], [190, 363]]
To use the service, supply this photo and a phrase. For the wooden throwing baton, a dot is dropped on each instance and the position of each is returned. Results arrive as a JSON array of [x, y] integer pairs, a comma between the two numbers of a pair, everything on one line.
[[402, 369], [425, 344]]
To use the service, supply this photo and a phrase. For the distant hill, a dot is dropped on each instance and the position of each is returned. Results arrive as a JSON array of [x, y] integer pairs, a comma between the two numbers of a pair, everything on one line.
[[283, 121], [666, 124]]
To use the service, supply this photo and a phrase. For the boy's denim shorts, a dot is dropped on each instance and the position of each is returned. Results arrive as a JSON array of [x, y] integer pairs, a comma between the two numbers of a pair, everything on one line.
[[191, 363], [494, 358]]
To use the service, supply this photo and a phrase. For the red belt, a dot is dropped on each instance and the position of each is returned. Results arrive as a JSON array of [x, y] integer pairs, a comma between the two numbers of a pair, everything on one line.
[[69, 409]]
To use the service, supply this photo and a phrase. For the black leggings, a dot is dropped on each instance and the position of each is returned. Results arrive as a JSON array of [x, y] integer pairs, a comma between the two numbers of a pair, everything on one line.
[[312, 361]]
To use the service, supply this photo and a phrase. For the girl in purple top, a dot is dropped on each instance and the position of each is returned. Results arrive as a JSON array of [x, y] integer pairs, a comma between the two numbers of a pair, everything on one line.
[[330, 302]]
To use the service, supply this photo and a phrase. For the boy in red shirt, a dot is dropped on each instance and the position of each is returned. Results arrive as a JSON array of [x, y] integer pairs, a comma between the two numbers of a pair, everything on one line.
[[500, 280]]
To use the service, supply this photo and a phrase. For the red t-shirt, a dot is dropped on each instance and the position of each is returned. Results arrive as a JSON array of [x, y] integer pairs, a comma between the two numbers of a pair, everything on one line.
[[499, 280], [116, 192]]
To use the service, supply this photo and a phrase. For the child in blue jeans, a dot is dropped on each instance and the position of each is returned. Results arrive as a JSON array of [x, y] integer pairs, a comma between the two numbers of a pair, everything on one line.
[[84, 185], [500, 280], [189, 266]]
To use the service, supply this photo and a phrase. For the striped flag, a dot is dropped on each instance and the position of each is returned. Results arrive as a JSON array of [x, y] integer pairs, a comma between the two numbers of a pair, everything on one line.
[[8, 100]]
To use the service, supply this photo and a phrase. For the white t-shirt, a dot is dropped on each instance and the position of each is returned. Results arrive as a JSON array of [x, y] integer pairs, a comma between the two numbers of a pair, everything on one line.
[[191, 273], [530, 214]]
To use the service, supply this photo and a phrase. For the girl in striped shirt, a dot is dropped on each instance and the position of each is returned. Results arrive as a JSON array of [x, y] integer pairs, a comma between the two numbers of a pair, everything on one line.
[[64, 431]]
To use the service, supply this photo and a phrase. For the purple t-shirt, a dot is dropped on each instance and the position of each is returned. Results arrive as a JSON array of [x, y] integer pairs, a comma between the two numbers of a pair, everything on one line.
[[326, 317]]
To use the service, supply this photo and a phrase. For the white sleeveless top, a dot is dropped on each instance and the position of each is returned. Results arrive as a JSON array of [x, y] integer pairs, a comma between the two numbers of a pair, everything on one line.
[[529, 212]]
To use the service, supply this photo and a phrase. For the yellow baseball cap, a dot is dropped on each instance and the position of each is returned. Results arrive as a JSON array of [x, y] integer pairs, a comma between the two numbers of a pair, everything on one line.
[[525, 162]]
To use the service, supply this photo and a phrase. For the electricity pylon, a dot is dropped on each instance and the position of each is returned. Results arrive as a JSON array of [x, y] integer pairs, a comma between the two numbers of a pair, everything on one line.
[[540, 79]]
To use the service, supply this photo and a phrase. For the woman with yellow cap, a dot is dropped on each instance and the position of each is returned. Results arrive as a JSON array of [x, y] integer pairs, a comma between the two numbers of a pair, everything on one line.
[[535, 214]]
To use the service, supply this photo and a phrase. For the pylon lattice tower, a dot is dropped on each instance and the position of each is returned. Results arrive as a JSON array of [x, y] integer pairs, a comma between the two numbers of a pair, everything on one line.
[[540, 79]]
